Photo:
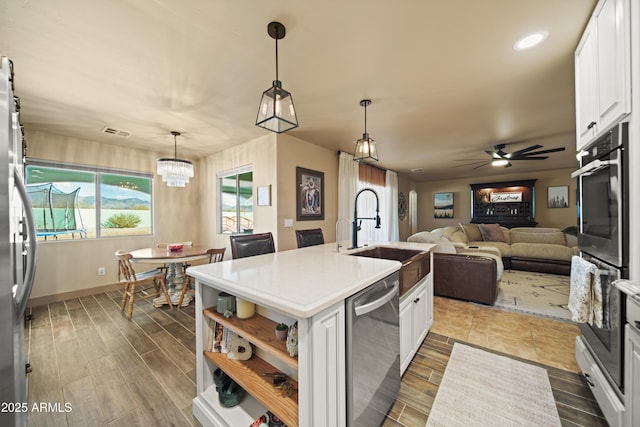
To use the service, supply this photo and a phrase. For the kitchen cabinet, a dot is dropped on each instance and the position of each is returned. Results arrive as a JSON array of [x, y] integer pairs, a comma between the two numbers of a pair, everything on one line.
[[632, 376], [318, 367], [416, 317], [609, 403], [632, 360], [308, 286], [603, 71]]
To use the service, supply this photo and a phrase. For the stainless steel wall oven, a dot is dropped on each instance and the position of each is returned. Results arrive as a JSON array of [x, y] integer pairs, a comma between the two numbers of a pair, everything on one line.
[[603, 219], [603, 197]]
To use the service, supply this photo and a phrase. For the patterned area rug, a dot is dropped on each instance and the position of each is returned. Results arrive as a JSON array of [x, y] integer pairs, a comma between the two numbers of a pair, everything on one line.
[[484, 389], [539, 294]]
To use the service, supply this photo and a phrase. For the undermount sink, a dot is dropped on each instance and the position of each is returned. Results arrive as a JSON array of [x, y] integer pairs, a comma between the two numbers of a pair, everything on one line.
[[415, 263]]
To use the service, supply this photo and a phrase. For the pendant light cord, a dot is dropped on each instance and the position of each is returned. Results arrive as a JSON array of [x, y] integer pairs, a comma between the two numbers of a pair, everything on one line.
[[365, 118], [276, 59]]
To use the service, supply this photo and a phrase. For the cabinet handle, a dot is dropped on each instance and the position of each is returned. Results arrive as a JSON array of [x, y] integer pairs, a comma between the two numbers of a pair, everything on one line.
[[590, 125], [416, 300], [586, 377], [637, 323]]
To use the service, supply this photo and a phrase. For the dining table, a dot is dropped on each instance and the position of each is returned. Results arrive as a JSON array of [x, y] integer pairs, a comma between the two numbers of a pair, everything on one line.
[[175, 260]]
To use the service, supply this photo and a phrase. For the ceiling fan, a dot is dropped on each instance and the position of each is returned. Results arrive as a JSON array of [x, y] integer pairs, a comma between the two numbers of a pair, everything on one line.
[[502, 158]]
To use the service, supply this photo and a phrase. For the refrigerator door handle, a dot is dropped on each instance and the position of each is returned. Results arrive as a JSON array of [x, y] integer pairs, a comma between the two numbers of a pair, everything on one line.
[[24, 291]]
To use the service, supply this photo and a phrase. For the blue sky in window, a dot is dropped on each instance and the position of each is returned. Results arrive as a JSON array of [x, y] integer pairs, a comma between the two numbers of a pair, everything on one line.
[[108, 191]]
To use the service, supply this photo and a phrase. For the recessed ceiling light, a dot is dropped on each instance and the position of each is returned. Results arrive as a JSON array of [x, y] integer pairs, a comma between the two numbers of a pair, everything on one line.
[[414, 170], [531, 40]]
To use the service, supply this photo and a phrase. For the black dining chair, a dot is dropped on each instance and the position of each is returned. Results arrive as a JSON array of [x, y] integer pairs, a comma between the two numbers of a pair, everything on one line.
[[309, 237], [246, 245]]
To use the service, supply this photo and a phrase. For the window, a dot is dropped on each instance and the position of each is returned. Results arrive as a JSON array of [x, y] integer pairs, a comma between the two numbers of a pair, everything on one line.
[[235, 200], [74, 201]]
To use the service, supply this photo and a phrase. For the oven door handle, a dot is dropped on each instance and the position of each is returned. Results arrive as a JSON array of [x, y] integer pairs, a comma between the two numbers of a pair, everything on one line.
[[593, 167]]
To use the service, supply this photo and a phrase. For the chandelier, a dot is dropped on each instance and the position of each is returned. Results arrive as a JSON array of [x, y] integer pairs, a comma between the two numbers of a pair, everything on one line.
[[276, 112], [175, 172], [366, 150]]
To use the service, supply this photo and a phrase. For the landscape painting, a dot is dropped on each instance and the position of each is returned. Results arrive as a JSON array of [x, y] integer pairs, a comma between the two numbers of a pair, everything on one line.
[[443, 205]]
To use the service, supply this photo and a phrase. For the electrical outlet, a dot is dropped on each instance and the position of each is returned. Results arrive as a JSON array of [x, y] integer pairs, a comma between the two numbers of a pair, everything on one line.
[[101, 271]]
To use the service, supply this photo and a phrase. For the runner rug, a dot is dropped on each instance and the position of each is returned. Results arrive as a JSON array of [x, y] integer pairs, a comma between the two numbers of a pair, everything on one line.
[[484, 389]]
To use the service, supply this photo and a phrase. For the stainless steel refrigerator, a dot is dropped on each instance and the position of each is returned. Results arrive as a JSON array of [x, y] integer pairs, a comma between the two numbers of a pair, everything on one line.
[[17, 255]]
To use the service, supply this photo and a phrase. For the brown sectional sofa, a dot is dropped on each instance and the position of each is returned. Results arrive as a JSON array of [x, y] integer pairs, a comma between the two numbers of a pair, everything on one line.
[[545, 250]]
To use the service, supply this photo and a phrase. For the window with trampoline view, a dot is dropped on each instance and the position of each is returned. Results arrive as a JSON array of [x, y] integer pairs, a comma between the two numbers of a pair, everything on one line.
[[78, 202], [235, 200]]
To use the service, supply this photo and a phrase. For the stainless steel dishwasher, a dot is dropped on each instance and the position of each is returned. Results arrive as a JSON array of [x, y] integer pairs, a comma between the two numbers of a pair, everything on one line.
[[373, 352]]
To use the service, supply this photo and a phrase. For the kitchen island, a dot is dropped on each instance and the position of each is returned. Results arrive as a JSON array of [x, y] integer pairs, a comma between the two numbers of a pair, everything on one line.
[[307, 286]]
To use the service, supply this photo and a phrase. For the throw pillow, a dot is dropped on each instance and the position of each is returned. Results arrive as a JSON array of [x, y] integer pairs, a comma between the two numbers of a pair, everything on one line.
[[472, 232], [491, 233]]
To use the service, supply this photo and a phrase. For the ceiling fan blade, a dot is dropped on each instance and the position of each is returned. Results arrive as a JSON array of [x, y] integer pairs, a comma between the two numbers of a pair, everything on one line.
[[529, 158], [526, 150], [477, 167], [471, 163], [551, 150]]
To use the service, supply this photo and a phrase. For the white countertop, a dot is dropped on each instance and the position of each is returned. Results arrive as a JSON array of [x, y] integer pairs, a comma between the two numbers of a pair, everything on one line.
[[300, 282]]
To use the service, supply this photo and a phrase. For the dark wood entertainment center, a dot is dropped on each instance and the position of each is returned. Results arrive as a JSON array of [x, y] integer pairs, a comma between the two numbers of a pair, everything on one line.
[[509, 203]]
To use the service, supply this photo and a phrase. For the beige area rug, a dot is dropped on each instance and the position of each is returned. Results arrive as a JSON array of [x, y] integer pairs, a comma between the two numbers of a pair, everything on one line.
[[484, 389], [539, 294]]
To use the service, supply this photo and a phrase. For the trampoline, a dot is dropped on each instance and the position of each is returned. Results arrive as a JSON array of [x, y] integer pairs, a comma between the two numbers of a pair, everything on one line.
[[56, 212]]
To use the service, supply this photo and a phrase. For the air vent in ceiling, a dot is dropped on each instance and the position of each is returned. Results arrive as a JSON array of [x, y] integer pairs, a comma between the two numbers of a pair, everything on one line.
[[414, 170], [116, 132]]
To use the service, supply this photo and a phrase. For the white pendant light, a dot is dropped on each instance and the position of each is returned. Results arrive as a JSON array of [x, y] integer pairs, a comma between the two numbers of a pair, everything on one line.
[[175, 172], [276, 112], [366, 150]]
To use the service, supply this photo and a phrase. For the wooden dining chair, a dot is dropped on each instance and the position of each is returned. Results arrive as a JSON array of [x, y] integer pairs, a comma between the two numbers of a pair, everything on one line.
[[215, 255], [246, 245], [138, 283], [309, 237]]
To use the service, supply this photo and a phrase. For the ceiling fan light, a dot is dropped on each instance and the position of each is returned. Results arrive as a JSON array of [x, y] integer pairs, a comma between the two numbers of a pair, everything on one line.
[[500, 162]]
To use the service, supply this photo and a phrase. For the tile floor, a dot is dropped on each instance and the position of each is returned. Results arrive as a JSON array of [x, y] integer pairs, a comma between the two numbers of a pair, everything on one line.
[[117, 372]]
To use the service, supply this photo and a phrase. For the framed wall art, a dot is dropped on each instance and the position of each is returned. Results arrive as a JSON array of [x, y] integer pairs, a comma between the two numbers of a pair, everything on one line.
[[443, 205], [264, 195], [558, 197], [309, 195]]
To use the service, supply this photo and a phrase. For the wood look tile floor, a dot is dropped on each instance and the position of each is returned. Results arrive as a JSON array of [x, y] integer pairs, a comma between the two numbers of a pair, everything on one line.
[[116, 372]]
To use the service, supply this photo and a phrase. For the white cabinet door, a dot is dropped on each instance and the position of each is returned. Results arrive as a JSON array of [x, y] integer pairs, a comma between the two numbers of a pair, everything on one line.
[[603, 71], [586, 99], [416, 316], [328, 372], [406, 334], [613, 61], [632, 377], [419, 317]]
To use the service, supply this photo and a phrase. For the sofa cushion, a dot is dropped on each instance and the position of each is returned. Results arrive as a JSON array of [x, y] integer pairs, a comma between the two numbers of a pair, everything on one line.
[[504, 248], [491, 233], [472, 232], [542, 251], [443, 245], [553, 238]]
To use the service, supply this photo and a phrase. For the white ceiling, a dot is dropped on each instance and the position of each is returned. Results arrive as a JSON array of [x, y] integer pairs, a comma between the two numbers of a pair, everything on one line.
[[444, 78]]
